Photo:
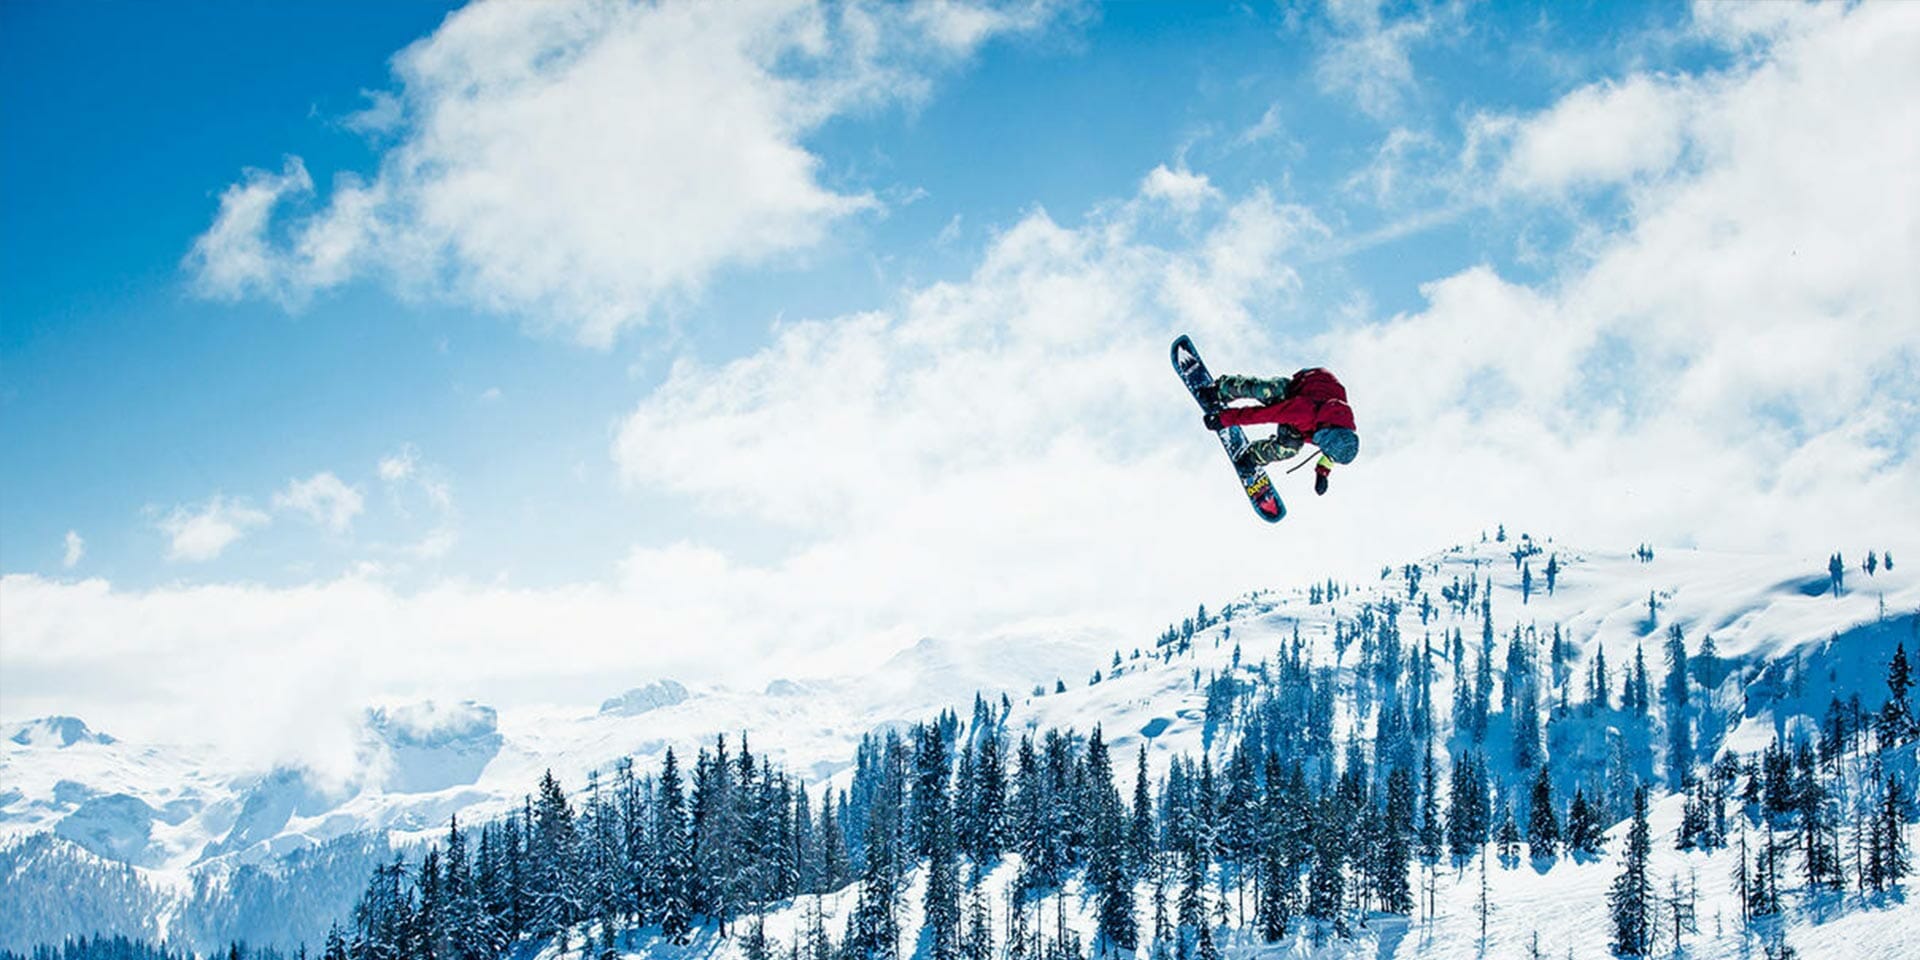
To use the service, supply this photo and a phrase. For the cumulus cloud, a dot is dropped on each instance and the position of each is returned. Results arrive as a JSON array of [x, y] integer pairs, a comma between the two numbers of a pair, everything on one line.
[[1741, 346], [1181, 189], [76, 547], [196, 534], [1057, 339], [1733, 363], [235, 257], [1605, 133], [561, 161], [324, 499]]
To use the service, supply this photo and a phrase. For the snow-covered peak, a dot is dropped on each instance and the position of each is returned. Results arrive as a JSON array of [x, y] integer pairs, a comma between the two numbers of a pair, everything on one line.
[[430, 723], [56, 732], [639, 700], [429, 746]]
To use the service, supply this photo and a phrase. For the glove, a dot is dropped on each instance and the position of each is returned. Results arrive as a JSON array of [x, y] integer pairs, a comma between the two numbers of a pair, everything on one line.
[[1320, 483], [1212, 419]]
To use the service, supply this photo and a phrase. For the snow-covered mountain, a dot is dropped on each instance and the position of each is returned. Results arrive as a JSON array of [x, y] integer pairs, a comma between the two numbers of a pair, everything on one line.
[[1786, 645], [176, 809]]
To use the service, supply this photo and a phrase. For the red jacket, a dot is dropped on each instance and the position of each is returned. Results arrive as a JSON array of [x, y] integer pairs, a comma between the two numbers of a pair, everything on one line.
[[1314, 399]]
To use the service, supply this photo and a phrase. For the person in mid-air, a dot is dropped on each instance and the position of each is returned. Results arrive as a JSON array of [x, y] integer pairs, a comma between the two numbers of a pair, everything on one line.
[[1310, 406]]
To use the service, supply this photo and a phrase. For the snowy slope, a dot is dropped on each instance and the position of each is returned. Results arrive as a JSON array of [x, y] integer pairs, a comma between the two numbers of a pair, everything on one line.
[[1562, 909], [1762, 612], [171, 807], [1759, 610], [1787, 646]]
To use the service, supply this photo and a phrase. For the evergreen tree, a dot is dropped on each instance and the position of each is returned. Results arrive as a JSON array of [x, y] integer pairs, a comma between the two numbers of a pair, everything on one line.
[[1598, 691], [715, 827], [1818, 846], [978, 941], [553, 850], [1585, 833], [990, 795], [1765, 886], [1432, 829], [929, 801], [1468, 814], [462, 934], [1394, 856], [675, 855], [1895, 723], [1482, 679], [1192, 904], [1892, 859], [1279, 883], [1507, 836], [1637, 698], [806, 844], [336, 945], [1140, 828], [422, 936], [1543, 829], [1630, 899], [834, 870], [1107, 873], [1206, 949], [1523, 703], [935, 830], [875, 924], [383, 916], [1695, 825], [1326, 883], [1674, 693]]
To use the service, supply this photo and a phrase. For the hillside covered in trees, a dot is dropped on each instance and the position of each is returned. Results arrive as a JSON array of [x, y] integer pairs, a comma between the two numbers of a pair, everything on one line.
[[1509, 748]]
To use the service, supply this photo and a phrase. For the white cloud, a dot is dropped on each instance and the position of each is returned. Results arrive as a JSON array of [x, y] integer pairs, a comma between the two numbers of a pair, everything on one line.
[[562, 161], [1368, 55], [1733, 363], [203, 533], [984, 453], [1385, 179], [1270, 126], [400, 465], [413, 484], [1181, 189], [384, 113], [76, 547], [1749, 321], [236, 258], [1706, 369], [1603, 133], [324, 499]]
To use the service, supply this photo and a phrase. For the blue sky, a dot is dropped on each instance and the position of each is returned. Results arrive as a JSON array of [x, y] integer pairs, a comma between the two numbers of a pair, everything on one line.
[[606, 316], [128, 394]]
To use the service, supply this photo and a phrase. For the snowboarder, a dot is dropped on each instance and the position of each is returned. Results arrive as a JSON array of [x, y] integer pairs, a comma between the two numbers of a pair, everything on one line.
[[1310, 406]]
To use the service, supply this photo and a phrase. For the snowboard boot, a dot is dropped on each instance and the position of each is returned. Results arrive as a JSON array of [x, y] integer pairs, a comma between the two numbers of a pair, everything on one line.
[[1233, 386], [1269, 450]]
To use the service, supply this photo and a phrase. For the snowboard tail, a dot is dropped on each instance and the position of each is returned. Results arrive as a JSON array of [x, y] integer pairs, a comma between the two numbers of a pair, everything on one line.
[[1253, 478]]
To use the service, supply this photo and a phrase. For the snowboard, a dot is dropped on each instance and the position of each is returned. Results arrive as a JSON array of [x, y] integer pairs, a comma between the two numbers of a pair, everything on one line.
[[1253, 478]]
